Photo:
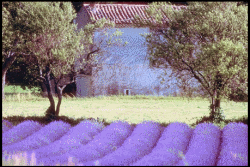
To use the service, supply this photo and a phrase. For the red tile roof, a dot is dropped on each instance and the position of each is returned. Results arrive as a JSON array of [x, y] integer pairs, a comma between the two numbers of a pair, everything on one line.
[[120, 13]]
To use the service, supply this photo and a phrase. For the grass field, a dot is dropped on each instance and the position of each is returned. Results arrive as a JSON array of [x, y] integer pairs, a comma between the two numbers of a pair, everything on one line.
[[132, 109], [18, 89]]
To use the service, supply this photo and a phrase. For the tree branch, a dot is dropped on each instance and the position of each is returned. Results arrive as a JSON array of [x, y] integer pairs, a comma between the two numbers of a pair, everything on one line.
[[88, 55], [8, 62], [61, 89], [63, 84], [41, 78], [203, 78], [197, 77], [66, 83]]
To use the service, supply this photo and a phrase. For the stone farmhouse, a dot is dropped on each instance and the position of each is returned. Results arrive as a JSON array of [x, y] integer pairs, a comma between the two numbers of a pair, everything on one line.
[[121, 69]]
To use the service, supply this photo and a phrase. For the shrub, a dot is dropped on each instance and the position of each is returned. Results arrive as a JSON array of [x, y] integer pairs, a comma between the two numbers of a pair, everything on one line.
[[6, 125], [174, 139], [140, 143], [219, 115], [19, 132], [44, 136], [238, 95], [234, 146], [79, 135], [203, 146], [104, 143]]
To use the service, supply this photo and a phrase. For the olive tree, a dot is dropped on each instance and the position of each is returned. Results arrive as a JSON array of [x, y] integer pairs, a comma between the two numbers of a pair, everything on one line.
[[12, 39], [53, 43], [205, 41]]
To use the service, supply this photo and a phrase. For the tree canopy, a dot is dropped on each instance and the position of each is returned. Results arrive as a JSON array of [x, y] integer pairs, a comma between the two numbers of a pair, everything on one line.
[[49, 41], [12, 39], [206, 41]]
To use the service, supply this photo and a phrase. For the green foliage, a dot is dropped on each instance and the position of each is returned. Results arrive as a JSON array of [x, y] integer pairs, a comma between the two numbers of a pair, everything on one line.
[[50, 35], [219, 116], [22, 21], [206, 41], [6, 33], [47, 33], [239, 96], [53, 37], [18, 89], [23, 73], [11, 36]]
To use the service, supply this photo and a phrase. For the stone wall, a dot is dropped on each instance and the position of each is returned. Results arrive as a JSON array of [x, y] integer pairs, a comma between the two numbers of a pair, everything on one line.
[[139, 79]]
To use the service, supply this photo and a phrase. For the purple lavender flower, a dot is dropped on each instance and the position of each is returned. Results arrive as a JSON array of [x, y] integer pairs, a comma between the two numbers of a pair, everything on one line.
[[103, 143], [6, 125], [174, 138], [203, 146], [19, 132], [234, 146], [139, 144], [44, 136], [76, 137]]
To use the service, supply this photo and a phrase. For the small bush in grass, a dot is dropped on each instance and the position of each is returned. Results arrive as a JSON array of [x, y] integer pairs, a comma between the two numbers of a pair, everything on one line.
[[219, 115]]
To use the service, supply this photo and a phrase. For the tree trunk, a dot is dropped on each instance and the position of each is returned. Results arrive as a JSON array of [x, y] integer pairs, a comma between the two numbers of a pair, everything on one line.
[[215, 103], [59, 91], [51, 110], [215, 106], [6, 65], [3, 83]]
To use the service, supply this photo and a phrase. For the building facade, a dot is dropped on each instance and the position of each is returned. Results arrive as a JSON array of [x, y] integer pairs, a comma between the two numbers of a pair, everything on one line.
[[122, 69]]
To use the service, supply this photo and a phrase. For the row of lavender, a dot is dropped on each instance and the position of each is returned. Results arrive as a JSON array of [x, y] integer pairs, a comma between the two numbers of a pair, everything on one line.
[[90, 143]]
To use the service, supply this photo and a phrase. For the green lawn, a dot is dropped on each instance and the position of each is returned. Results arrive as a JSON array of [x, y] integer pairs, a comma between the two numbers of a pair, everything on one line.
[[18, 89], [133, 109]]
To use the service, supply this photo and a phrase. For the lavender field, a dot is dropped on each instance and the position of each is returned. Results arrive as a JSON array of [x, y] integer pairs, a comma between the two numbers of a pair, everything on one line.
[[123, 130], [120, 143]]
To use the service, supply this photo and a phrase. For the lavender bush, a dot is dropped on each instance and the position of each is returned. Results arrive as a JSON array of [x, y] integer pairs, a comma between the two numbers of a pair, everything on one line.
[[19, 132], [6, 125], [77, 136], [174, 138], [120, 144], [139, 144], [234, 145], [44, 136], [203, 146], [104, 143]]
